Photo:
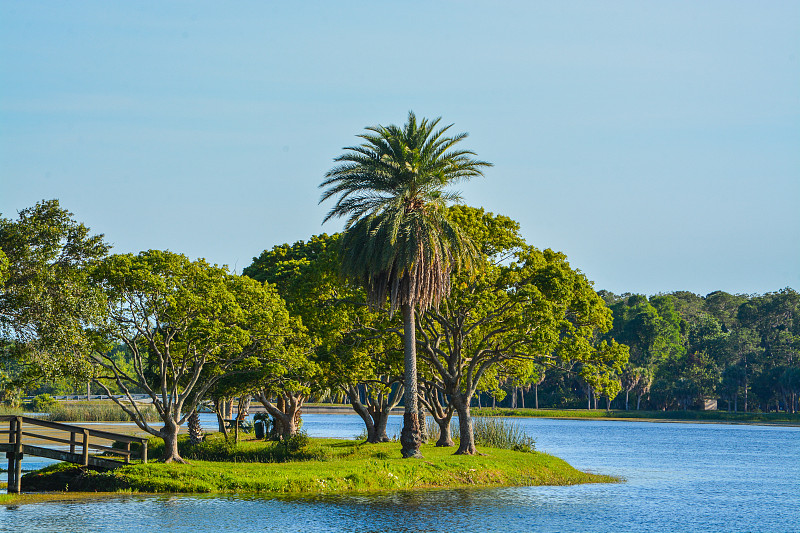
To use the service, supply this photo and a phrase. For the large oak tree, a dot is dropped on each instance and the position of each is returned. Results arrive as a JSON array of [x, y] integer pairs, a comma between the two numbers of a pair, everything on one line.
[[186, 325]]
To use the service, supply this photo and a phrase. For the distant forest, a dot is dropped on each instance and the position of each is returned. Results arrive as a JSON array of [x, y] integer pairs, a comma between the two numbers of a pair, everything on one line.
[[741, 350]]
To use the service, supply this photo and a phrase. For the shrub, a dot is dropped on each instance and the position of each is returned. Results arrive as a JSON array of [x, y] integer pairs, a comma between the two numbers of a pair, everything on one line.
[[44, 403], [296, 442], [501, 433], [492, 432]]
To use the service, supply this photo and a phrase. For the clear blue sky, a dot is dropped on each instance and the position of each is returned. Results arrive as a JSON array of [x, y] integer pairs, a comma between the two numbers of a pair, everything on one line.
[[657, 144]]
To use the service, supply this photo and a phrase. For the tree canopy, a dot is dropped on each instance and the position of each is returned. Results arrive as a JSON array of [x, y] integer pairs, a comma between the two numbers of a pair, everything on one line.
[[45, 297], [186, 324], [523, 308]]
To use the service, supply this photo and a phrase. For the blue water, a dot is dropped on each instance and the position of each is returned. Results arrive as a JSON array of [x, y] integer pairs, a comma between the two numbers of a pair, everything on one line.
[[679, 477]]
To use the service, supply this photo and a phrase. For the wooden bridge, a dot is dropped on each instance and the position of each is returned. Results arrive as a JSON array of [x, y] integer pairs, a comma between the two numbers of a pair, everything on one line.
[[79, 439]]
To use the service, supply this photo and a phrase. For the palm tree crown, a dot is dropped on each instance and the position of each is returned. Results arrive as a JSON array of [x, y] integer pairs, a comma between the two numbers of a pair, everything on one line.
[[398, 242]]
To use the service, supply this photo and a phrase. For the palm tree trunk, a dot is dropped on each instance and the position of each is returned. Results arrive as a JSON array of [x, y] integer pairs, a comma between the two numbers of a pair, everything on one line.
[[410, 436], [195, 430]]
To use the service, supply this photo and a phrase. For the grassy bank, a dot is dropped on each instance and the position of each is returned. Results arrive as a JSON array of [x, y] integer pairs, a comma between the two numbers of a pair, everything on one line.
[[94, 412], [323, 466], [707, 416]]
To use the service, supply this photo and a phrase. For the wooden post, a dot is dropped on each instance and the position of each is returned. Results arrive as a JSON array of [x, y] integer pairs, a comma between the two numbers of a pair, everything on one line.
[[72, 442], [17, 458], [128, 449], [144, 451], [12, 461], [85, 447]]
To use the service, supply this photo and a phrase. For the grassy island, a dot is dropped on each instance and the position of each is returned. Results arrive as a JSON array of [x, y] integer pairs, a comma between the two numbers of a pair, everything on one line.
[[318, 466]]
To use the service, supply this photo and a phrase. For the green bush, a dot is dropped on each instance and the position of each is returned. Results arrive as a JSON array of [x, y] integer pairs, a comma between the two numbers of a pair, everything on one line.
[[296, 443], [501, 433], [44, 403], [491, 432], [498, 433]]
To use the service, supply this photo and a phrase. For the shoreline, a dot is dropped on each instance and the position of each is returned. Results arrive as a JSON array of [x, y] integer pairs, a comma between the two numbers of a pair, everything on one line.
[[327, 466], [505, 412]]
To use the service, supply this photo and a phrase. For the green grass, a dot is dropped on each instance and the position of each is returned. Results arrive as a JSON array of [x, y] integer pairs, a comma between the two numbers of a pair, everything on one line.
[[94, 412], [492, 432], [13, 411], [711, 416], [345, 466]]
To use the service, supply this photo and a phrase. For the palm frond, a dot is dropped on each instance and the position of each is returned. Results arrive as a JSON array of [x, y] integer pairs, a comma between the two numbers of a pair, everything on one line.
[[391, 189]]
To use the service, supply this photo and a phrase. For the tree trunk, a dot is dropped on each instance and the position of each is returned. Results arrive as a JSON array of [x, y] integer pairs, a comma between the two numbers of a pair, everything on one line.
[[466, 445], [374, 409], [195, 430], [537, 395], [410, 436], [380, 427], [445, 435], [218, 410], [745, 386], [169, 433], [361, 410], [423, 423], [627, 392], [286, 416], [441, 410]]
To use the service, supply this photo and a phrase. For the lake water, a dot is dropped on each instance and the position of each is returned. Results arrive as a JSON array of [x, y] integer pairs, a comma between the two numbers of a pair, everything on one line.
[[679, 477]]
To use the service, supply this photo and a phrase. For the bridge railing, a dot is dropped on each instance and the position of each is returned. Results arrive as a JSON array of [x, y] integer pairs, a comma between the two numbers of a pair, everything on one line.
[[76, 437]]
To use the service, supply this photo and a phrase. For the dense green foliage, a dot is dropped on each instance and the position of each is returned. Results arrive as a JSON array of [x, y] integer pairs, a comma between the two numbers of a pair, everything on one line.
[[741, 350], [45, 297], [523, 311], [306, 275], [186, 325]]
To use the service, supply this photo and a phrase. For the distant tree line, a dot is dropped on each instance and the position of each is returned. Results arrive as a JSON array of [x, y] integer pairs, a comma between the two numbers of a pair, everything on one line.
[[741, 350]]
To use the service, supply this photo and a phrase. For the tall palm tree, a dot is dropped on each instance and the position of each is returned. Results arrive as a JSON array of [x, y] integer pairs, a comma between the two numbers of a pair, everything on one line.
[[398, 242]]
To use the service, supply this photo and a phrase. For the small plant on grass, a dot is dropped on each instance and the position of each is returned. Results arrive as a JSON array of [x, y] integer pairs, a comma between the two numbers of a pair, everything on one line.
[[296, 442], [499, 433]]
